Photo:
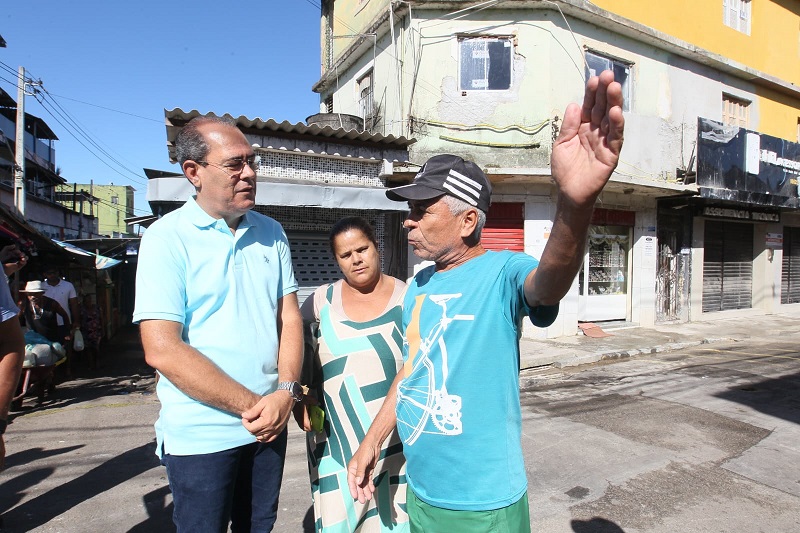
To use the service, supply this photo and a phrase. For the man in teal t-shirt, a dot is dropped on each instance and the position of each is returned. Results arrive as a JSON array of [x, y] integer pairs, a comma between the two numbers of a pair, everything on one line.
[[456, 402]]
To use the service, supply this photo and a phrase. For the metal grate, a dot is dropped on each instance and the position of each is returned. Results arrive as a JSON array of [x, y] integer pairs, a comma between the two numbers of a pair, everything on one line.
[[298, 166], [308, 229]]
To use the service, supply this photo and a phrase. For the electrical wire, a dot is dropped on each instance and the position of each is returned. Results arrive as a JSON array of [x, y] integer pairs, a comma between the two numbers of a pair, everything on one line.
[[106, 108], [86, 135], [101, 201], [55, 117], [74, 128]]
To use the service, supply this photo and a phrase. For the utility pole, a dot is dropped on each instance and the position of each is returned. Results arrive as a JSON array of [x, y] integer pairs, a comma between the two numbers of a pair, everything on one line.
[[19, 148], [19, 145]]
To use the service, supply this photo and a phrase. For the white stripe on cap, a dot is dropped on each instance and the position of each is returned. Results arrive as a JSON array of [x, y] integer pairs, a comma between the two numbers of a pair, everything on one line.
[[460, 194], [466, 181], [463, 187]]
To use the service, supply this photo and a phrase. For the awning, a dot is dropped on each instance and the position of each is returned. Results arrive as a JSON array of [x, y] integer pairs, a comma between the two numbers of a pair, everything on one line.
[[276, 192], [100, 261]]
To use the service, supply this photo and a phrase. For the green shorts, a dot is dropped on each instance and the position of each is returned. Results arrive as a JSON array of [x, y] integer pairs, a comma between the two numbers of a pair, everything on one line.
[[426, 518]]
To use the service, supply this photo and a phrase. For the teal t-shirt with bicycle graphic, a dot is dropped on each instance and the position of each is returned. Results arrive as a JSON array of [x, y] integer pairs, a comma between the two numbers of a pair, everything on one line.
[[458, 410]]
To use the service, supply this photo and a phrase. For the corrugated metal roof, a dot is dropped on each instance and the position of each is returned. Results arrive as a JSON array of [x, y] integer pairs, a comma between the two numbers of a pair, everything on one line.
[[177, 118]]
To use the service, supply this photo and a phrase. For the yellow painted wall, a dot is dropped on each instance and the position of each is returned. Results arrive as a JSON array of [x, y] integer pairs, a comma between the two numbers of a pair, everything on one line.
[[773, 46], [351, 17], [778, 115], [110, 216]]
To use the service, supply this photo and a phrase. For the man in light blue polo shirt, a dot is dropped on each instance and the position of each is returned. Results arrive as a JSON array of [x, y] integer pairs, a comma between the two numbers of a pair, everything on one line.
[[217, 307]]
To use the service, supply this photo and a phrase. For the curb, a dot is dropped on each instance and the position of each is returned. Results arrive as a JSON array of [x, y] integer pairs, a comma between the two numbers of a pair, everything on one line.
[[633, 352]]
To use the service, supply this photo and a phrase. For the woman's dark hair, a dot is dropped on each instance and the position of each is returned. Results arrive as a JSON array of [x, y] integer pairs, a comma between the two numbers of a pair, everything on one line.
[[348, 223]]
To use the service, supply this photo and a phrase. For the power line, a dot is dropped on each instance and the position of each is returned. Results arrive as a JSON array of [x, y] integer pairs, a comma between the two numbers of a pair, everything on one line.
[[107, 108], [82, 143], [85, 133], [74, 128], [106, 203]]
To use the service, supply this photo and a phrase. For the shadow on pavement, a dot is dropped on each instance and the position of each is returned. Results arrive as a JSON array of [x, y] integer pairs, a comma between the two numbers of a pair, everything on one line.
[[122, 370], [45, 507], [159, 514], [778, 397], [34, 454], [308, 520], [595, 525]]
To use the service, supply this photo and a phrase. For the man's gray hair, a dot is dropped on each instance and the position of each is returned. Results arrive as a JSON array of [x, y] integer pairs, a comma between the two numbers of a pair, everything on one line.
[[190, 145], [458, 206]]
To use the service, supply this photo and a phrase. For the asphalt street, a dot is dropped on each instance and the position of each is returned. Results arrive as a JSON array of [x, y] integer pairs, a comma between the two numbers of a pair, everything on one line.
[[704, 439]]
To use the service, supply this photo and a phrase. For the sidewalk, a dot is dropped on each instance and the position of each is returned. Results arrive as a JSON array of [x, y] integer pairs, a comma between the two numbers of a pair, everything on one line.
[[628, 340]]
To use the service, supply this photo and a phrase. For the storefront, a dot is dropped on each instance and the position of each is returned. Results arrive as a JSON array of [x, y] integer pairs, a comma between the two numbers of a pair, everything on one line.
[[604, 283], [505, 227], [789, 241], [747, 182]]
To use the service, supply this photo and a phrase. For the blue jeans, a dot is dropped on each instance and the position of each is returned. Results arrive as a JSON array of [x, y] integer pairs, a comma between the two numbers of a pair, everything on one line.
[[240, 486]]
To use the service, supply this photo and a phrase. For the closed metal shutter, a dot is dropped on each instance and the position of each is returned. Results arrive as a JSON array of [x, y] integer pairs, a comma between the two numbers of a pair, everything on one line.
[[790, 271], [313, 263], [505, 227], [727, 266]]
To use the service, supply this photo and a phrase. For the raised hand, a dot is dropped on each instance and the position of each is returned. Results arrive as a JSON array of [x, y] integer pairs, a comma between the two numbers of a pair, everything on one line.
[[588, 146], [12, 259]]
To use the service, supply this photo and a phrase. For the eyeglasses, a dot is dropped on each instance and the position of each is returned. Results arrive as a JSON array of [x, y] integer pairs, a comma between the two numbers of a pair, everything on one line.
[[234, 167]]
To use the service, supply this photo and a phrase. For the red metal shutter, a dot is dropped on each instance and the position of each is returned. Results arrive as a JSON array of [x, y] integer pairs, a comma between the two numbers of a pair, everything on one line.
[[505, 227]]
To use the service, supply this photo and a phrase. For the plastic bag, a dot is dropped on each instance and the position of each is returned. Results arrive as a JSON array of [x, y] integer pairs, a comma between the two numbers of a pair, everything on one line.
[[77, 340]]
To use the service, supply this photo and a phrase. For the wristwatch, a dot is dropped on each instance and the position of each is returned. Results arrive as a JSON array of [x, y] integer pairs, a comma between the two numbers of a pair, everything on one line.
[[294, 389]]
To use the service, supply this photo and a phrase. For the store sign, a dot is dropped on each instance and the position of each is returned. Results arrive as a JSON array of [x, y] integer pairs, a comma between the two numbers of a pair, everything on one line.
[[740, 165], [775, 241], [740, 214]]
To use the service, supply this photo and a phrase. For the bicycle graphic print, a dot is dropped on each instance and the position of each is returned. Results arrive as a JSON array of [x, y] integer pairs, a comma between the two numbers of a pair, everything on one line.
[[423, 403]]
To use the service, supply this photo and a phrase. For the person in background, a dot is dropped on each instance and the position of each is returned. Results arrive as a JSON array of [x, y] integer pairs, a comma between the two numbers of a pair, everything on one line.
[[41, 313], [12, 343], [360, 353], [92, 328], [64, 293], [217, 307], [456, 404]]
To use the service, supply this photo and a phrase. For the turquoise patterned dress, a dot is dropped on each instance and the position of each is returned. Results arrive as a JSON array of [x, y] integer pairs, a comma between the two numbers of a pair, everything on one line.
[[359, 362]]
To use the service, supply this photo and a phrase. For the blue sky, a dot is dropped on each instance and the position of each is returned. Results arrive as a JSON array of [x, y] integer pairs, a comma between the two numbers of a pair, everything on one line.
[[253, 58]]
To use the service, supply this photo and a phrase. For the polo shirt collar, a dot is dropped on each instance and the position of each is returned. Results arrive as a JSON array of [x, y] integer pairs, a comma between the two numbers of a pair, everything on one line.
[[201, 219]]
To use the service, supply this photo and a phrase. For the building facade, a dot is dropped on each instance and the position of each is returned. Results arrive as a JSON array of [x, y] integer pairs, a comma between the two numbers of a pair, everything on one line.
[[41, 175], [309, 177], [110, 204], [705, 91]]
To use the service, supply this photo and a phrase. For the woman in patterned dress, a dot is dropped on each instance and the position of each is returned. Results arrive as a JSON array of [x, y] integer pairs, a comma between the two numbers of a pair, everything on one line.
[[360, 353]]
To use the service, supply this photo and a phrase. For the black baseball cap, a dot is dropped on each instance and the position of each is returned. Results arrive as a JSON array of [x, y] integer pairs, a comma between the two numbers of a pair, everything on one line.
[[450, 175]]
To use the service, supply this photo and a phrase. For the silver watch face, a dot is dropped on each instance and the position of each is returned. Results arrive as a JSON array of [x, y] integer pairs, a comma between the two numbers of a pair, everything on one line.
[[293, 388], [296, 391]]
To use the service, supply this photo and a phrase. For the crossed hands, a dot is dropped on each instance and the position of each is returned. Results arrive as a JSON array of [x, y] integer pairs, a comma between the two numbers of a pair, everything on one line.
[[588, 146], [267, 418]]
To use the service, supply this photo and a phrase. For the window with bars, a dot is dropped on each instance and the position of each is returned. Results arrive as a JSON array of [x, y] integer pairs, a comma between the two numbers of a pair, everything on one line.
[[596, 63], [329, 104], [736, 15], [485, 63], [365, 96], [735, 111]]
